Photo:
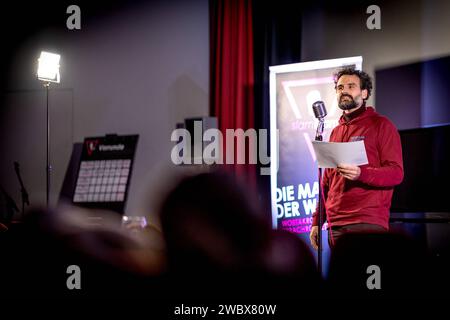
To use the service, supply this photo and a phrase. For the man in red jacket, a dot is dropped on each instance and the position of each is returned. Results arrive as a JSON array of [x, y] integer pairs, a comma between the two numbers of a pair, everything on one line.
[[358, 198]]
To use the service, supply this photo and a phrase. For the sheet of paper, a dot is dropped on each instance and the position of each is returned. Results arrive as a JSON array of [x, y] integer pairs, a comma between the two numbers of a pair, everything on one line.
[[330, 154]]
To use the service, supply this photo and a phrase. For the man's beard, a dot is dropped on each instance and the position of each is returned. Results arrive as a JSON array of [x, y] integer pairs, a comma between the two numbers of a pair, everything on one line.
[[348, 104]]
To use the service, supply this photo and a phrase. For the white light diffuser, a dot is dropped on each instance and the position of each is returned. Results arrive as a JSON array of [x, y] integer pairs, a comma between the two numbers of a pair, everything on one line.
[[48, 68]]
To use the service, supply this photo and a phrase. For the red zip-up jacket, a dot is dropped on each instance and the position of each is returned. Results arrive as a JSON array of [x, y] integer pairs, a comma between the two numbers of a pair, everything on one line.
[[368, 199]]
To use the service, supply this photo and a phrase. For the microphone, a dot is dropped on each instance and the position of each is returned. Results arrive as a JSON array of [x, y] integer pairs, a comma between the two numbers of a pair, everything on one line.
[[319, 109], [320, 112]]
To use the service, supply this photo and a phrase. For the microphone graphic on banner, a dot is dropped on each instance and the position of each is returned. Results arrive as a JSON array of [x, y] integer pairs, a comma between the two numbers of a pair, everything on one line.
[[320, 112]]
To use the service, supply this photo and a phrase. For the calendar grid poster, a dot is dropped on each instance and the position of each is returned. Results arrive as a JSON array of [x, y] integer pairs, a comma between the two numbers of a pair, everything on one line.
[[105, 171]]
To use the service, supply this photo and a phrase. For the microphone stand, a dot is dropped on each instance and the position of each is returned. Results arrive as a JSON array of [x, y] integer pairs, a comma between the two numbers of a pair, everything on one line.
[[10, 205], [23, 191], [319, 132]]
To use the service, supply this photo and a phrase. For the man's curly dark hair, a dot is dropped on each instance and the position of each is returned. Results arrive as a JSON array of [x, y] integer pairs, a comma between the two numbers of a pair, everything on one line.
[[364, 78]]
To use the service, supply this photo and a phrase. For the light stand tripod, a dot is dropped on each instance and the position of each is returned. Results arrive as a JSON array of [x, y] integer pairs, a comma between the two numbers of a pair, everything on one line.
[[48, 165], [48, 71]]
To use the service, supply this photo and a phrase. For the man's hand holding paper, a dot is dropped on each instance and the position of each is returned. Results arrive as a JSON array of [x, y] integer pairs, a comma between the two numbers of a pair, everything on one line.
[[350, 172]]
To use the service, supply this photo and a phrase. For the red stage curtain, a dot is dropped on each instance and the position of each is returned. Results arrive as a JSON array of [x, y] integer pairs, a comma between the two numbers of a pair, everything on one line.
[[231, 72]]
